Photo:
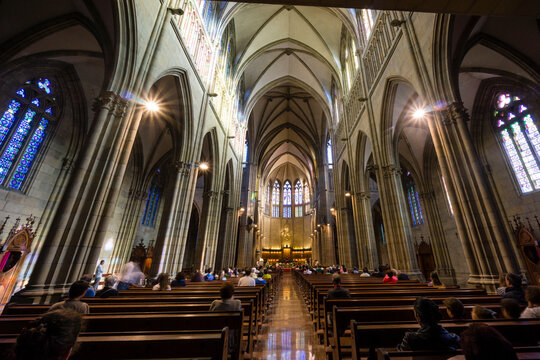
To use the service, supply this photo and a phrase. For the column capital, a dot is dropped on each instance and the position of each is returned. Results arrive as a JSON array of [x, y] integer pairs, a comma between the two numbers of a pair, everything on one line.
[[364, 195], [181, 167], [110, 101], [211, 194], [372, 167], [68, 165], [455, 112], [391, 170]]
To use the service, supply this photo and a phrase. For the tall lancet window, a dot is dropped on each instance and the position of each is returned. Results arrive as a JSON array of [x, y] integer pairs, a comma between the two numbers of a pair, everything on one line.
[[152, 203], [267, 198], [413, 199], [287, 199], [298, 199], [329, 153], [276, 195], [307, 196], [520, 139], [245, 157], [24, 125]]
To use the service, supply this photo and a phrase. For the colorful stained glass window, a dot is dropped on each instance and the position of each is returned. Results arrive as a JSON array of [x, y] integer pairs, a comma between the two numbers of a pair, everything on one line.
[[152, 205], [276, 192], [307, 197], [287, 199], [414, 200], [23, 128], [520, 139], [267, 199], [298, 198]]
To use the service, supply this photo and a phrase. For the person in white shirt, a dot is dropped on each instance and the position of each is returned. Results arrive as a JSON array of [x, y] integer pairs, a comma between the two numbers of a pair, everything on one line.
[[365, 273], [246, 280], [532, 295], [99, 274]]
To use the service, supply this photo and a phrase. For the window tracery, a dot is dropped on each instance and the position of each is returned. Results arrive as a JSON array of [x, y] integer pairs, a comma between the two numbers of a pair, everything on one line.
[[276, 195], [298, 199], [413, 199], [23, 128], [520, 139], [287, 199]]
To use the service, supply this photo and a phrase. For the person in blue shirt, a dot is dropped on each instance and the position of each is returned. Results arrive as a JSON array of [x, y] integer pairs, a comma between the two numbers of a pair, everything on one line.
[[90, 292], [259, 279], [179, 281], [209, 276]]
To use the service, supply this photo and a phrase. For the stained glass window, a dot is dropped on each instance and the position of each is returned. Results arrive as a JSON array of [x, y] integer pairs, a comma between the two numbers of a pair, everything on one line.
[[276, 194], [329, 153], [368, 21], [520, 139], [267, 199], [298, 198], [152, 204], [287, 199], [245, 157], [414, 200], [307, 197], [23, 128]]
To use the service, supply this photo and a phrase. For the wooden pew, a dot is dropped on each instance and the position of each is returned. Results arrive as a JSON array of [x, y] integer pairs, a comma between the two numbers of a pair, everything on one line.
[[532, 352], [180, 345], [364, 337]]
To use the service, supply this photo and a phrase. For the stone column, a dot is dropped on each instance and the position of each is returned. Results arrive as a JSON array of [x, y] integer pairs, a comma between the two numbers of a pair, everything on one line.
[[343, 237], [396, 221], [128, 228], [227, 258], [365, 234], [215, 214], [488, 249], [208, 217], [438, 243], [67, 243], [169, 252]]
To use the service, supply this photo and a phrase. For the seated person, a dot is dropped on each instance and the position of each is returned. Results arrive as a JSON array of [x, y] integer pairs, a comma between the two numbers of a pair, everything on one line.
[[430, 336], [246, 280], [197, 277], [365, 272], [90, 292], [179, 280], [501, 289], [162, 283], [390, 278], [338, 292], [532, 295], [454, 309], [434, 280], [482, 342], [209, 276], [510, 309], [227, 302], [51, 336], [401, 275], [514, 290], [76, 293], [260, 279], [482, 313], [266, 275], [108, 290]]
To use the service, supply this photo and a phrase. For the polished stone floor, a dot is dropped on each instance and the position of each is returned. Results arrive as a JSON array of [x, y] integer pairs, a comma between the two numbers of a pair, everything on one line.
[[288, 333]]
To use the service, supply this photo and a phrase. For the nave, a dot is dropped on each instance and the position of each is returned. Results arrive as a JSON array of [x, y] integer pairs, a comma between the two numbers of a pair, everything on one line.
[[289, 332]]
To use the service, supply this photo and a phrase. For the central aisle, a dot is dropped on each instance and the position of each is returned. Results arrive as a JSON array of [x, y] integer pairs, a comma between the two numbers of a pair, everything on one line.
[[289, 333]]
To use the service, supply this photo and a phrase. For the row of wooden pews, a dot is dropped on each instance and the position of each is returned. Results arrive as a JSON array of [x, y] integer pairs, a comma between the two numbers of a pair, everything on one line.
[[377, 316], [146, 324]]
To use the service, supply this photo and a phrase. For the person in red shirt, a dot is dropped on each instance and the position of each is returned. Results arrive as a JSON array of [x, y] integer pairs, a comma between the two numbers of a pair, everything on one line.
[[390, 278]]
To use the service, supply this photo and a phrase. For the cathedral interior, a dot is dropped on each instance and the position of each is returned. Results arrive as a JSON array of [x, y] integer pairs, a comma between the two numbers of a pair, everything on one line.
[[198, 134]]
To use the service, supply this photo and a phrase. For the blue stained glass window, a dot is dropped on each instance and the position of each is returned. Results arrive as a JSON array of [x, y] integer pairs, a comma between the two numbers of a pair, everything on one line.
[[276, 199], [152, 205], [29, 155], [7, 119], [15, 144], [20, 136], [520, 139], [413, 199], [45, 85]]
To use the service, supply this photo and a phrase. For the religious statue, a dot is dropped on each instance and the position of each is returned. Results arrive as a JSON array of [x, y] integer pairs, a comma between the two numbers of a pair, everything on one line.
[[285, 235]]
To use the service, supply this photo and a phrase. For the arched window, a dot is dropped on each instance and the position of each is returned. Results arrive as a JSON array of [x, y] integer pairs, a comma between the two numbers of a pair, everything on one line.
[[287, 199], [329, 153], [267, 198], [520, 138], [245, 158], [298, 198], [152, 203], [368, 21], [307, 197], [414, 200], [24, 126], [276, 192]]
